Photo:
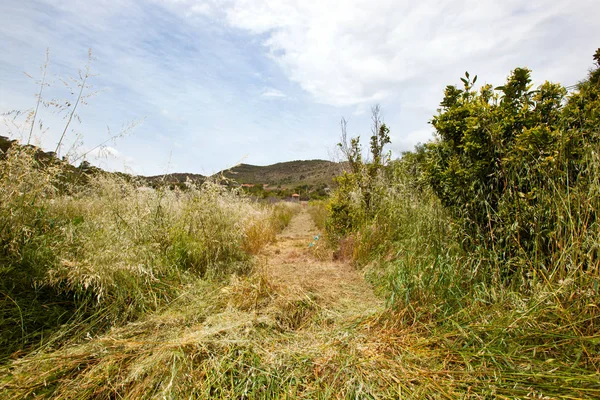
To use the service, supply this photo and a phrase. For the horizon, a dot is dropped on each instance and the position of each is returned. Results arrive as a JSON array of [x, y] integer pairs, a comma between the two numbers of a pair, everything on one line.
[[260, 83]]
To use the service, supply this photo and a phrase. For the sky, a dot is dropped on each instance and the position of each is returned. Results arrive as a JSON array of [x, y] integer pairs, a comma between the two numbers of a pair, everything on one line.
[[201, 85]]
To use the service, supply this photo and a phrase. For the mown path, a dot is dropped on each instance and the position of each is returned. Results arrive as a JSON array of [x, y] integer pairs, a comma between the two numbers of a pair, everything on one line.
[[317, 306], [292, 262]]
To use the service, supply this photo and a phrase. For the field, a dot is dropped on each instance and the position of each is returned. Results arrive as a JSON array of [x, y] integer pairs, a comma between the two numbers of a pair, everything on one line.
[[468, 268]]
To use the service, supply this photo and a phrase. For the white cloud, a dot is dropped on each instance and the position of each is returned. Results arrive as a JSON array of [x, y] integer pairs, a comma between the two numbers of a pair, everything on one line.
[[111, 159], [201, 8], [406, 142], [361, 51], [271, 92], [105, 152]]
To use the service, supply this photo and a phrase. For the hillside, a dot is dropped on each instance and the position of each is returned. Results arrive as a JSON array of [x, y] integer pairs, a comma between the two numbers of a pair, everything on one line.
[[6, 143], [292, 175], [286, 174]]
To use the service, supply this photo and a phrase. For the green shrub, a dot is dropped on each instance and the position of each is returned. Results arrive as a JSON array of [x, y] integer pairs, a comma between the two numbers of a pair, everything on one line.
[[487, 237], [355, 200], [515, 167]]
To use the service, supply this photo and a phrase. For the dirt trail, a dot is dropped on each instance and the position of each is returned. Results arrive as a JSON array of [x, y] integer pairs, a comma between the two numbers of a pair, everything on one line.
[[300, 262]]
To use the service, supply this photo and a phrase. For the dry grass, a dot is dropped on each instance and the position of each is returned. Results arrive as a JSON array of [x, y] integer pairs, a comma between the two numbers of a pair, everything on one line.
[[111, 250], [319, 213], [269, 327]]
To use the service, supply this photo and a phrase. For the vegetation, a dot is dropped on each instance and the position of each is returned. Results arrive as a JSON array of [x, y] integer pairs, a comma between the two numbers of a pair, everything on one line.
[[319, 213], [112, 250], [175, 180], [83, 250], [311, 179], [486, 237], [483, 245]]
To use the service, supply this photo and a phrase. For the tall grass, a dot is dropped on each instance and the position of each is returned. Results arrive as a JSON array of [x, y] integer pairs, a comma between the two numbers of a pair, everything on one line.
[[262, 228], [318, 212], [83, 250], [111, 250]]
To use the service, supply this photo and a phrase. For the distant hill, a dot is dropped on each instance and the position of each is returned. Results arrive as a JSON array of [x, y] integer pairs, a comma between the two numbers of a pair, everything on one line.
[[286, 174], [6, 144], [69, 174]]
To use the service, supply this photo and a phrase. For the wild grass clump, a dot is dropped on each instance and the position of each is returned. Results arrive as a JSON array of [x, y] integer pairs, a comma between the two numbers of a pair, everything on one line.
[[265, 223], [282, 213], [318, 212], [112, 249]]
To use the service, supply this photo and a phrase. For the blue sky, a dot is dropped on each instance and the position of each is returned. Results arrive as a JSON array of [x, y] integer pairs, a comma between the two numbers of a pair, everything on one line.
[[213, 83]]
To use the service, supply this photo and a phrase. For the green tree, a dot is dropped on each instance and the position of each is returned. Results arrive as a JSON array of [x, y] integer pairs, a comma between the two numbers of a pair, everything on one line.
[[354, 200]]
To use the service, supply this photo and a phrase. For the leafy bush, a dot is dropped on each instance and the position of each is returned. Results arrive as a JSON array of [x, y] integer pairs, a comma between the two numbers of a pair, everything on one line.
[[355, 200], [515, 167]]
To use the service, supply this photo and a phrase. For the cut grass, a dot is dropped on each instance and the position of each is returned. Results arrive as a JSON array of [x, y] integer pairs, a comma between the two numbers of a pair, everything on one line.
[[237, 354]]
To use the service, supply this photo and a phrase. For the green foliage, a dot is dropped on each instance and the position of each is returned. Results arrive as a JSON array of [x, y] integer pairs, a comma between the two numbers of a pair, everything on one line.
[[486, 238], [504, 157], [346, 210], [354, 201]]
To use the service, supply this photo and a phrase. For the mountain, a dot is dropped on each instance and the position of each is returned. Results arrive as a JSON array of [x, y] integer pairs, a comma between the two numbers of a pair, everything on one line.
[[286, 174]]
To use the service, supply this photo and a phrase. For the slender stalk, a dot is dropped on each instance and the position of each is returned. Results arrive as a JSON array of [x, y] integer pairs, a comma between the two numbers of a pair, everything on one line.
[[82, 86], [39, 96]]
